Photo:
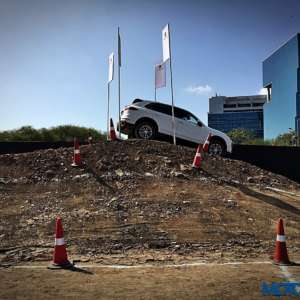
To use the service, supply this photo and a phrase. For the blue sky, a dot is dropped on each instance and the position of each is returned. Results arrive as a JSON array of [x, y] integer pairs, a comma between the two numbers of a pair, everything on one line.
[[53, 54]]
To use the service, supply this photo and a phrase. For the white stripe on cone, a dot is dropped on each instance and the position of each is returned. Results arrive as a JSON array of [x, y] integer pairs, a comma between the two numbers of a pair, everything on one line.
[[76, 151], [59, 241], [280, 238], [198, 154]]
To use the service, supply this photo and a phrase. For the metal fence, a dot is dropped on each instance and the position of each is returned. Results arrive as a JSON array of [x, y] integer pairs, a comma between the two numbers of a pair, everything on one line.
[[21, 147], [280, 160]]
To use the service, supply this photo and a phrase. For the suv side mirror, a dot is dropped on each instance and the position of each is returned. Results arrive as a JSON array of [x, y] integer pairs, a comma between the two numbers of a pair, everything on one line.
[[199, 124]]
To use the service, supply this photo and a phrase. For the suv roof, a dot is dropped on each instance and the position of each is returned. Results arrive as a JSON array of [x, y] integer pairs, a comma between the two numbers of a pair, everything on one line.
[[163, 106], [137, 100]]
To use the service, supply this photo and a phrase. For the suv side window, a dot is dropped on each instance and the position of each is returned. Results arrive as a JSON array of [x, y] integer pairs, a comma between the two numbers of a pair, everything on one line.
[[159, 107], [193, 119], [180, 113], [185, 115]]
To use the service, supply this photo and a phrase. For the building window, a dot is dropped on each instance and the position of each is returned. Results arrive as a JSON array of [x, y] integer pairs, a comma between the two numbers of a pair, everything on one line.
[[244, 105], [269, 92], [229, 105], [257, 104]]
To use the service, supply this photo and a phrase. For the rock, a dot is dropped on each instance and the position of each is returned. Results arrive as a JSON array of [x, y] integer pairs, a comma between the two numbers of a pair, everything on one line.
[[147, 174], [113, 199], [2, 181], [168, 162], [230, 203], [179, 175], [30, 222], [85, 175], [119, 172], [250, 179], [82, 176], [119, 185], [185, 167], [50, 173]]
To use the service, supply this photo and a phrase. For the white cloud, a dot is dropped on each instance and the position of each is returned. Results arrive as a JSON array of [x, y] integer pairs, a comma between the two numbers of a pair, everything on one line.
[[199, 89], [263, 91]]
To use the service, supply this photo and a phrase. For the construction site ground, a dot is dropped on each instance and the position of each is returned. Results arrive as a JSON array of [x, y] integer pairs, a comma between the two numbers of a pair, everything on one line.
[[140, 204]]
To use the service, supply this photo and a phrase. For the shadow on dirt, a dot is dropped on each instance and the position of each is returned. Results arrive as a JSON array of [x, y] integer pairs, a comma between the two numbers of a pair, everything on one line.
[[269, 199], [80, 270]]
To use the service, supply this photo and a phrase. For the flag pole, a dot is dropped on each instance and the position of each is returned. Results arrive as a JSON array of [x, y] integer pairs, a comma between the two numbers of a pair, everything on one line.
[[172, 93], [119, 88], [108, 95], [155, 83]]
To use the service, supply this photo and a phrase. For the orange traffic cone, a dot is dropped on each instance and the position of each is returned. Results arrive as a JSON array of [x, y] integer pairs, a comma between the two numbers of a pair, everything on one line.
[[60, 257], [198, 158], [112, 132], [281, 255], [76, 158], [206, 144]]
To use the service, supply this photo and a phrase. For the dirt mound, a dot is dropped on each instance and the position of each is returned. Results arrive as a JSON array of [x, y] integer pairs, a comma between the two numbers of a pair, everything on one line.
[[129, 160], [140, 201]]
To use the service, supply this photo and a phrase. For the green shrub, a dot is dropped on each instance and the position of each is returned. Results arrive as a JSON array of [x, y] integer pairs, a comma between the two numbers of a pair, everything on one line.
[[53, 134], [240, 135]]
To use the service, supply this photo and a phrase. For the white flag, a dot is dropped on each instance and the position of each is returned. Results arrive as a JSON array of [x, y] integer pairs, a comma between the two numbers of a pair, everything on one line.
[[160, 76], [110, 67], [166, 43]]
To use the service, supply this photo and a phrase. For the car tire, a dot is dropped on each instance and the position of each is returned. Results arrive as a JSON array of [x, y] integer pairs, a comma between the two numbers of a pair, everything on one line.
[[216, 148], [145, 130]]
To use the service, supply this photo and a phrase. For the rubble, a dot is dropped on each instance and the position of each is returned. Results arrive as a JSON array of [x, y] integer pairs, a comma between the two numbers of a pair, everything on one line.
[[128, 159], [138, 197]]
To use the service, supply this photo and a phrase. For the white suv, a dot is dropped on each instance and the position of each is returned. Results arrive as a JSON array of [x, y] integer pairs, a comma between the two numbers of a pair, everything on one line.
[[153, 120]]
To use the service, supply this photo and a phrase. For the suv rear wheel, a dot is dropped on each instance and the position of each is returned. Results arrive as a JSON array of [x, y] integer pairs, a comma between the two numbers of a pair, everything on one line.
[[216, 148], [145, 130]]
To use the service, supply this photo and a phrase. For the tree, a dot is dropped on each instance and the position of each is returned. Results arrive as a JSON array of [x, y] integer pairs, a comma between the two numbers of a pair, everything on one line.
[[53, 134], [287, 139], [240, 135]]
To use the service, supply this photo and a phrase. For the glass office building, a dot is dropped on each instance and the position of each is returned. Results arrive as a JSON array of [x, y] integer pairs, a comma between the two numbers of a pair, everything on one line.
[[227, 113], [281, 76]]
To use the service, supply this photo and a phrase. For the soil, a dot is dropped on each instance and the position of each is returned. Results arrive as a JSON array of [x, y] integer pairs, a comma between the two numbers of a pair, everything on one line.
[[139, 202], [205, 282]]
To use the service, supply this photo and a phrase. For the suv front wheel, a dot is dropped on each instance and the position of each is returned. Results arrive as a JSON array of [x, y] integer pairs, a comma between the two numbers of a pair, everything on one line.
[[145, 130]]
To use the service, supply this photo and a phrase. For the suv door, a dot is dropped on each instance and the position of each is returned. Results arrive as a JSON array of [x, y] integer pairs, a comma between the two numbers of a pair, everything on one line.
[[162, 114], [189, 127]]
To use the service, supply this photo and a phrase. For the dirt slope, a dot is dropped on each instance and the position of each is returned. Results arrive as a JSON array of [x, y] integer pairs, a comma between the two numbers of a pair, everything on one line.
[[137, 201]]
